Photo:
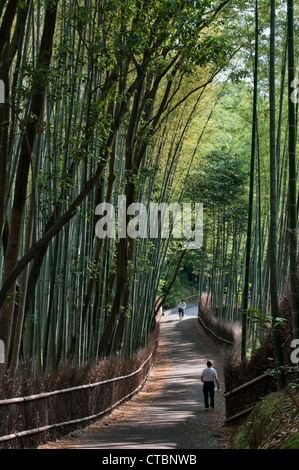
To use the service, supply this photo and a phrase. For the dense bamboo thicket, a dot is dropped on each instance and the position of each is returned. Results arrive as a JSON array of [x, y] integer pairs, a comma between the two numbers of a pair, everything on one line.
[[248, 183], [113, 106], [98, 98]]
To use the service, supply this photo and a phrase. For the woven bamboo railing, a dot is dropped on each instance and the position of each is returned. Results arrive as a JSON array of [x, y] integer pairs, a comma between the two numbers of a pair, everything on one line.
[[42, 411]]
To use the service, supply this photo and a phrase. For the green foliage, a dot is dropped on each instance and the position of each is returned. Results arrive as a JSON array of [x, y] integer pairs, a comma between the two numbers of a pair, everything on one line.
[[181, 289], [272, 424], [219, 181], [241, 440], [127, 106], [118, 78], [292, 442], [266, 322]]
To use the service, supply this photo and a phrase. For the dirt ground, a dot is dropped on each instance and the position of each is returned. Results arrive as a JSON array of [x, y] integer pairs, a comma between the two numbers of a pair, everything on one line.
[[168, 413]]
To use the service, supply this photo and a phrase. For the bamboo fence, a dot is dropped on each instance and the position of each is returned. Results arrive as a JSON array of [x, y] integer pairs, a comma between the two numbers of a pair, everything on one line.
[[29, 420]]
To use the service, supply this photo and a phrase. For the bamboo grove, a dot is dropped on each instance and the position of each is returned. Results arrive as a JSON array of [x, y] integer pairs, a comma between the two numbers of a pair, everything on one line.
[[91, 90], [250, 257], [128, 98]]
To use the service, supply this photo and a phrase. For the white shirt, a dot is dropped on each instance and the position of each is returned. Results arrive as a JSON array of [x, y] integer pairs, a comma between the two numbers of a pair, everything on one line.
[[182, 305], [209, 374]]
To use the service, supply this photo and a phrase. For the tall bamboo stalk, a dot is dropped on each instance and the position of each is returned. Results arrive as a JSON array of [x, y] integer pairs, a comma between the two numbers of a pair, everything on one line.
[[292, 203], [273, 200], [251, 192]]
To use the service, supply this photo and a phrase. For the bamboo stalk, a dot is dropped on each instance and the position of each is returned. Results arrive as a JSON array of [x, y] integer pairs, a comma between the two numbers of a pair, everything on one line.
[[238, 415]]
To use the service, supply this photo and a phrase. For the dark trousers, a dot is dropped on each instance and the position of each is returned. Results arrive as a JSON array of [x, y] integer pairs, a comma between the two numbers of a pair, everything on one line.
[[208, 391]]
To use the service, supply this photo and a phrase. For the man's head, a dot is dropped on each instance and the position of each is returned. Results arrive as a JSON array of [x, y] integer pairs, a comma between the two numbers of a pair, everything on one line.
[[209, 364]]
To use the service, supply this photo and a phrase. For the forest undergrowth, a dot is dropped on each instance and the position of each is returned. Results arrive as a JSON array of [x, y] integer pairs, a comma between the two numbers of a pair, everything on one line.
[[274, 420], [273, 424]]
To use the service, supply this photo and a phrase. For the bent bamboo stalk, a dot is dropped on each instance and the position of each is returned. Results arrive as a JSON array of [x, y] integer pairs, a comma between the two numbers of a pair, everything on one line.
[[238, 415]]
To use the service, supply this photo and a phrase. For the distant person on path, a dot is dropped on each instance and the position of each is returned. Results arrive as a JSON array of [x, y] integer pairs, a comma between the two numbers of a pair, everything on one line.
[[208, 376], [181, 309]]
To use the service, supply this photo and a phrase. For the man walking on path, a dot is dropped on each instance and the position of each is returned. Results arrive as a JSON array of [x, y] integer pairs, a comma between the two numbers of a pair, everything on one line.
[[208, 376], [159, 416], [181, 309]]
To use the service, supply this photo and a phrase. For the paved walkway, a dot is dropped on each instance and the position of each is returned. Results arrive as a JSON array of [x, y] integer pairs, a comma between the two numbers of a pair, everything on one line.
[[169, 411]]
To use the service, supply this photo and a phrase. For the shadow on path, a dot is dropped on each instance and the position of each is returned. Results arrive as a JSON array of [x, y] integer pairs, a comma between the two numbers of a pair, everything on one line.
[[168, 413]]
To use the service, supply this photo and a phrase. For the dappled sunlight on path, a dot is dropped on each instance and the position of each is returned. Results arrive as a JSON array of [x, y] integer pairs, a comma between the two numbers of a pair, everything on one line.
[[169, 412]]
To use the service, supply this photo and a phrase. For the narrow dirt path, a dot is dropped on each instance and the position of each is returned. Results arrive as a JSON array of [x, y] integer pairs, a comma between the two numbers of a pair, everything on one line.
[[168, 413]]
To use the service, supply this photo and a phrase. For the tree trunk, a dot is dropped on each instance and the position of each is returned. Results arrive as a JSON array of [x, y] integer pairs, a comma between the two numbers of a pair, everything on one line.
[[293, 248], [251, 192], [5, 32], [273, 204], [17, 214]]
